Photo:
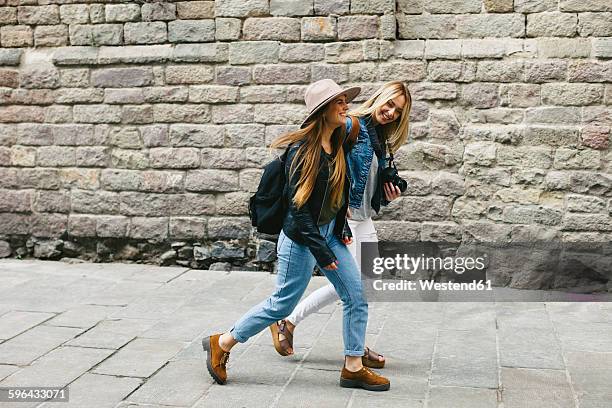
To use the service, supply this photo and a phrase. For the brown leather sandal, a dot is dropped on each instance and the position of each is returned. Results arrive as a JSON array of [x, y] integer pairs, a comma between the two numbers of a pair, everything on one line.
[[283, 347], [370, 359]]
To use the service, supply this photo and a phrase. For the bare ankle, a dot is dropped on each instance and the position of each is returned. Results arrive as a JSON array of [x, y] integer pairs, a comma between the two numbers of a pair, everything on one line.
[[353, 363], [225, 343]]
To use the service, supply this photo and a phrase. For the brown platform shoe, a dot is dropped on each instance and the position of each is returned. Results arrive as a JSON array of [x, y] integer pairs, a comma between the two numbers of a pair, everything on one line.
[[216, 358], [364, 378], [370, 359]]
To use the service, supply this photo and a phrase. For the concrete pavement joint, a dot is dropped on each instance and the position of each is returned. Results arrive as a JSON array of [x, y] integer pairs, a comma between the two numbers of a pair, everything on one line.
[[499, 393], [431, 366], [567, 373]]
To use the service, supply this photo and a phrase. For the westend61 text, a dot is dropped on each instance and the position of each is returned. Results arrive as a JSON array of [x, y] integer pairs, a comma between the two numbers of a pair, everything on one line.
[[381, 285]]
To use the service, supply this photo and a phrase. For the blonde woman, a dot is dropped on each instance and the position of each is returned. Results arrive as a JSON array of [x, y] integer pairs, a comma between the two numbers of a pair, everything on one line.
[[383, 128], [314, 231]]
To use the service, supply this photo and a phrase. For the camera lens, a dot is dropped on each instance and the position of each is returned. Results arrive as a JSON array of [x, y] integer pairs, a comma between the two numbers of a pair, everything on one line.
[[401, 184]]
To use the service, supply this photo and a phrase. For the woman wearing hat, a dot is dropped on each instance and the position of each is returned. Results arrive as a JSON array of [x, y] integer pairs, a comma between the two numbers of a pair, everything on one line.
[[383, 128], [315, 232]]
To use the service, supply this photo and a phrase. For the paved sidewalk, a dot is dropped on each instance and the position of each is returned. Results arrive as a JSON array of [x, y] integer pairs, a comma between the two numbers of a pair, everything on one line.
[[129, 336]]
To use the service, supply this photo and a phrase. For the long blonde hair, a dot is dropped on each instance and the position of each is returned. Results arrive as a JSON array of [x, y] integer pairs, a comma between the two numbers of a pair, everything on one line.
[[308, 158], [395, 132]]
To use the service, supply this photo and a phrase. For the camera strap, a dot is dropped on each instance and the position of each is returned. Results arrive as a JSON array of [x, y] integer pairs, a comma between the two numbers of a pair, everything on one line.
[[391, 158]]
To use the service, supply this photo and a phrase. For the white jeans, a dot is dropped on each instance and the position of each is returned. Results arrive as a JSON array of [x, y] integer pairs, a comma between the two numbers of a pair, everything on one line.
[[363, 231]]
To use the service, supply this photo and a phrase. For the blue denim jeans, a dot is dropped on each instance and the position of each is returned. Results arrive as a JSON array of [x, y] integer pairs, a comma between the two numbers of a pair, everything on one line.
[[295, 265]]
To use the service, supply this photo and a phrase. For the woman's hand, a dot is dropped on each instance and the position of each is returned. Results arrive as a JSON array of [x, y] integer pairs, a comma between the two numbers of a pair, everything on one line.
[[391, 191], [332, 266], [349, 214]]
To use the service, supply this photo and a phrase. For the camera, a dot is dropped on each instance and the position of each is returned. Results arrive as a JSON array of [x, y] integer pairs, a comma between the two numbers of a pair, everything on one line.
[[390, 175]]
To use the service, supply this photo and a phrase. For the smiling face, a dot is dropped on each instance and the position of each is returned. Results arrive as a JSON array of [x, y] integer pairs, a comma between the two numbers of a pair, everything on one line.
[[335, 112], [390, 111]]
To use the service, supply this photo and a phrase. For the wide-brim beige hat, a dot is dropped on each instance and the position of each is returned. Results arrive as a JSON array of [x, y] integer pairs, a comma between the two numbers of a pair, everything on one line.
[[319, 93]]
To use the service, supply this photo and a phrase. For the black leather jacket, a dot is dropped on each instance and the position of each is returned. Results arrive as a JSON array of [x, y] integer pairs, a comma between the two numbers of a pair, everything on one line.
[[301, 224]]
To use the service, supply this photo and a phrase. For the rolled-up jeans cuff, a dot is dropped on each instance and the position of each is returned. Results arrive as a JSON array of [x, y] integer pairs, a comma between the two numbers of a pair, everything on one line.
[[353, 353], [237, 337]]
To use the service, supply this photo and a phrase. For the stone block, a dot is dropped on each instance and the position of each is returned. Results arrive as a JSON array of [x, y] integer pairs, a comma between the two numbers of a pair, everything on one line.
[[271, 28], [572, 94], [174, 158], [344, 52], [426, 27], [227, 29], [188, 74], [99, 34], [10, 56], [281, 74], [191, 10], [74, 13], [498, 6], [156, 11], [564, 47], [190, 113], [301, 52], [148, 228], [492, 25], [319, 28], [595, 24], [552, 25], [253, 52], [241, 8], [211, 180], [122, 77], [191, 30], [97, 113], [51, 36], [534, 6], [291, 7], [200, 52], [453, 6], [38, 15], [16, 36], [235, 113], [586, 5], [145, 33], [213, 94], [187, 228], [121, 13], [357, 27], [327, 7], [196, 136]]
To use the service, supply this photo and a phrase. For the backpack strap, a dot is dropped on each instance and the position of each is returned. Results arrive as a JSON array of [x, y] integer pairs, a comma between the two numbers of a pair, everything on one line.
[[352, 136]]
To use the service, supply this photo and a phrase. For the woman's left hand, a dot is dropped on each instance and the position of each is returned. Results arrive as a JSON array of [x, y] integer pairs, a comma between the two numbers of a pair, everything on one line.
[[391, 191]]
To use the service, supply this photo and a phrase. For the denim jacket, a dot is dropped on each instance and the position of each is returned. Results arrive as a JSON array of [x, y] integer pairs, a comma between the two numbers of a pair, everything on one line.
[[359, 161]]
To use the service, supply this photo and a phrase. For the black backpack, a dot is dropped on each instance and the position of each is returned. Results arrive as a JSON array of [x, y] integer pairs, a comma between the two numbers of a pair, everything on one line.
[[268, 205]]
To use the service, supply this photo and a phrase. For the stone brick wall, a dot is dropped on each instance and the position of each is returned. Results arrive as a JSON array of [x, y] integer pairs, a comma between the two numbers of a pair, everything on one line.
[[137, 130]]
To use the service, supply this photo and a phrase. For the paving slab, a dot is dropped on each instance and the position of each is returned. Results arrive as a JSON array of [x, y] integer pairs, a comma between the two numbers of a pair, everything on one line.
[[140, 358], [97, 391], [575, 336], [32, 344], [84, 316], [179, 383], [16, 322], [316, 388], [241, 395], [527, 388], [466, 358], [112, 333], [58, 368], [591, 376], [6, 370], [530, 347], [459, 397]]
